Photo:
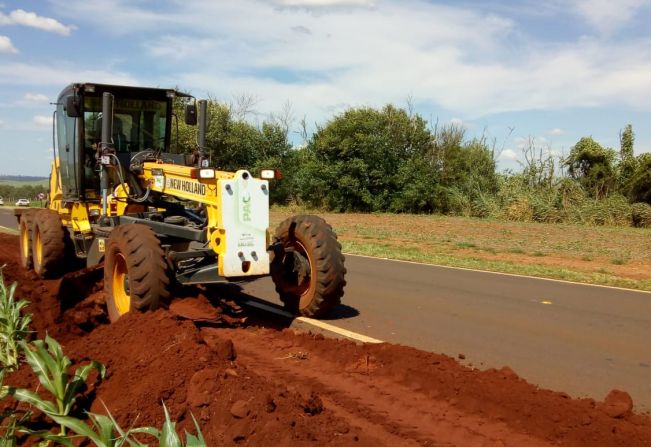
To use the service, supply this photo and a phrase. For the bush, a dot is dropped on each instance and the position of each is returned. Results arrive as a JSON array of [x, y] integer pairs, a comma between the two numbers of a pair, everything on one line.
[[641, 215]]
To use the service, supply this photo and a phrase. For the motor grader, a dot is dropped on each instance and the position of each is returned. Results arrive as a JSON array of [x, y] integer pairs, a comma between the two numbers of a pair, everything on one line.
[[121, 195]]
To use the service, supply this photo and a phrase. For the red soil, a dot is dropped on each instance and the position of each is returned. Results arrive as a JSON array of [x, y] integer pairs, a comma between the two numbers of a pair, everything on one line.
[[259, 387]]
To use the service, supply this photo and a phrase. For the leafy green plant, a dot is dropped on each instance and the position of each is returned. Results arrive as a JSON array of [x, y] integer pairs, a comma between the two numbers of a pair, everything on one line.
[[14, 325], [168, 437], [104, 431], [12, 422], [51, 367]]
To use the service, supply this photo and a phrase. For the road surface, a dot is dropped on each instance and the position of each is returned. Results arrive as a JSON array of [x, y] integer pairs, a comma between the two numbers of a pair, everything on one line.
[[581, 339]]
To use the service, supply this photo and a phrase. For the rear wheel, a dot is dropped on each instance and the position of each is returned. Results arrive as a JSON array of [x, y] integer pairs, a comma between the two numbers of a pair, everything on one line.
[[26, 226], [135, 272], [48, 244], [309, 272]]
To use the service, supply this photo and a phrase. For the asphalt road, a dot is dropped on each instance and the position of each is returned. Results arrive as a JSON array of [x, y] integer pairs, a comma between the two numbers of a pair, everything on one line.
[[583, 340], [7, 218]]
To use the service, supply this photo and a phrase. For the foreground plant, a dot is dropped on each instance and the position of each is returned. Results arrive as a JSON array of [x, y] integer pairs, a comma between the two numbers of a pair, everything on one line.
[[104, 431], [51, 367], [14, 326], [168, 437]]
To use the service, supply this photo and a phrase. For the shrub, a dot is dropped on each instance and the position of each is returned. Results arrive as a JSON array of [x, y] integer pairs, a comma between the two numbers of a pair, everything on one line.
[[641, 215], [14, 326]]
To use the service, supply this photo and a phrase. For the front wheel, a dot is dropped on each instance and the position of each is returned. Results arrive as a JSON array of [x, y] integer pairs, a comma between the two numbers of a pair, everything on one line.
[[48, 244], [135, 272], [309, 270], [26, 228]]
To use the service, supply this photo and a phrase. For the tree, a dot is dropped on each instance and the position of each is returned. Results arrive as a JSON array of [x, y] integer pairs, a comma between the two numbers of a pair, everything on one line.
[[626, 140], [592, 166], [233, 143], [640, 182], [357, 156], [628, 164]]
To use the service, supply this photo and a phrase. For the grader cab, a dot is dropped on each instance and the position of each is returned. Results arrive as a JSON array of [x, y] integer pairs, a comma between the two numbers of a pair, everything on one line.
[[123, 195]]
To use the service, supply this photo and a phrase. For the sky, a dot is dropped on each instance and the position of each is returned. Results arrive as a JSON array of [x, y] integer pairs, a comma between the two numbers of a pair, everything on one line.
[[547, 72]]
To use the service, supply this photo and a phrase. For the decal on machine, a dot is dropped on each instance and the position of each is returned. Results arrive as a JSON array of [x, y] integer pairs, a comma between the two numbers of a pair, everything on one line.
[[101, 246], [246, 207], [159, 181], [186, 186]]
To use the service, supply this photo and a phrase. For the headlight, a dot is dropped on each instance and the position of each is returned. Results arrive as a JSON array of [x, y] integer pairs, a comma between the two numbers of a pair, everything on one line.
[[270, 174], [207, 173]]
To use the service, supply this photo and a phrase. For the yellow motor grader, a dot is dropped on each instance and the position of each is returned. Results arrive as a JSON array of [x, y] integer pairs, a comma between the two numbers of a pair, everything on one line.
[[119, 195]]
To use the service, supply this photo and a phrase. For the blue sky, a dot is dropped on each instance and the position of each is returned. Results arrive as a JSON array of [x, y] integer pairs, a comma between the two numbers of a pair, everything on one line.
[[516, 71]]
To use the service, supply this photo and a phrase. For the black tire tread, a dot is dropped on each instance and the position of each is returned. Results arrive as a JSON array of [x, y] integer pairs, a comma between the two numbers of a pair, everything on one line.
[[149, 279], [26, 224], [53, 240], [320, 240]]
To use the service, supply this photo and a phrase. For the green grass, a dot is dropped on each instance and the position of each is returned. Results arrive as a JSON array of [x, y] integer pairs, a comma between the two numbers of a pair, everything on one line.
[[602, 276], [618, 256], [18, 183]]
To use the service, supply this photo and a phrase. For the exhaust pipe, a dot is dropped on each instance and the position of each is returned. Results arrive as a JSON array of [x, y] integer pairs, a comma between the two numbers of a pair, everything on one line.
[[203, 125], [106, 147]]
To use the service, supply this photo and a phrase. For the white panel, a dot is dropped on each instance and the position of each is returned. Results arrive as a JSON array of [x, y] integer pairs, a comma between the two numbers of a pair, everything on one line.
[[245, 205]]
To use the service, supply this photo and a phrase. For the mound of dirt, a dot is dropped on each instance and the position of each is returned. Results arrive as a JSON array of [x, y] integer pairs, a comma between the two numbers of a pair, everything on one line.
[[258, 386]]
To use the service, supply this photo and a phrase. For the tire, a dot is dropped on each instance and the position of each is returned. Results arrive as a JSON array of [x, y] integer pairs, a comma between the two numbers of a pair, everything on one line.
[[135, 273], [26, 224], [48, 244], [309, 273]]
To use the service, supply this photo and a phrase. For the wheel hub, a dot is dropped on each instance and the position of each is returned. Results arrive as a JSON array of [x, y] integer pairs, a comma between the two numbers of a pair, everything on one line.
[[121, 289]]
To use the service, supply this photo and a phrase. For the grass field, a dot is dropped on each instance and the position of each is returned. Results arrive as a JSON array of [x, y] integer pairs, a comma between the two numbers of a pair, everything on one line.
[[614, 256], [18, 184]]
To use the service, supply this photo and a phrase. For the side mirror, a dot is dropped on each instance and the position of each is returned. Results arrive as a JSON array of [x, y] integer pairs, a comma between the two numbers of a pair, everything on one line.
[[191, 114], [73, 106]]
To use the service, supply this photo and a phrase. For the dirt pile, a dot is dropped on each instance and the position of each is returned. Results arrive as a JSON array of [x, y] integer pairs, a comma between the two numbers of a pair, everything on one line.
[[257, 386]]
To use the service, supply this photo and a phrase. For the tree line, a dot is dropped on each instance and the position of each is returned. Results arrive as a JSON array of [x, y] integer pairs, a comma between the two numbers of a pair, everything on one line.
[[392, 160], [11, 193]]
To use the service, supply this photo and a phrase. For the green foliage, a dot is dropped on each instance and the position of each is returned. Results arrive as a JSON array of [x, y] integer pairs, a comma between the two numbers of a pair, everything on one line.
[[168, 437], [387, 160], [639, 185], [14, 326], [233, 144], [358, 156], [51, 368], [592, 166], [641, 215], [377, 160], [626, 140], [628, 164], [12, 192]]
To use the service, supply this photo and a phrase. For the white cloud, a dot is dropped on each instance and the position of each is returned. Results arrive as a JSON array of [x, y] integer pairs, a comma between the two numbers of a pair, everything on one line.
[[2, 124], [457, 122], [508, 154], [6, 46], [556, 132], [325, 3], [35, 98], [33, 20], [371, 56], [59, 76], [42, 120], [608, 15]]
